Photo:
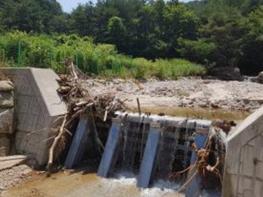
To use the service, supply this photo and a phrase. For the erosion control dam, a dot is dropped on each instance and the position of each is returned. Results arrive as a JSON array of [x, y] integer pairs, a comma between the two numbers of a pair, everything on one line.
[[151, 148]]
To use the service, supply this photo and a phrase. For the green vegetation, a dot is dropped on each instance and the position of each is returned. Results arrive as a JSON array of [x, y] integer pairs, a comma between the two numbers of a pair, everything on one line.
[[43, 51], [216, 33]]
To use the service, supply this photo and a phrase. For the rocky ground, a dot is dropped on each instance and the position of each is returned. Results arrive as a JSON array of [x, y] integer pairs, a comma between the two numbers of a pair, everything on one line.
[[186, 92], [13, 176]]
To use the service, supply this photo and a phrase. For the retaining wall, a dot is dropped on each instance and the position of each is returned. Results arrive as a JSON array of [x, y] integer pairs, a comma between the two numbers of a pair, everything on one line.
[[244, 159]]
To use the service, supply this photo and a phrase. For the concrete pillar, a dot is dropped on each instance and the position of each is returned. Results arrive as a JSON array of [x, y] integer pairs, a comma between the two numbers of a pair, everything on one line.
[[149, 156], [79, 143], [108, 156]]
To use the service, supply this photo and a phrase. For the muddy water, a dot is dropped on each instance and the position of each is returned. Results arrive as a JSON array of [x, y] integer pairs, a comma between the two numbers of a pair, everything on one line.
[[89, 185], [200, 113]]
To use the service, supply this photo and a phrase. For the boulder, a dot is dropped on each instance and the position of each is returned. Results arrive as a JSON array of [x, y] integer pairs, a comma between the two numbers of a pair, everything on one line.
[[6, 86], [6, 99], [6, 121], [259, 78], [227, 73]]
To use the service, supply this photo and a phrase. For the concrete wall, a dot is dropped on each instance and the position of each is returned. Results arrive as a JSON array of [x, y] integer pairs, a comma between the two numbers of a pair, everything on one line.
[[6, 116], [244, 159], [37, 107]]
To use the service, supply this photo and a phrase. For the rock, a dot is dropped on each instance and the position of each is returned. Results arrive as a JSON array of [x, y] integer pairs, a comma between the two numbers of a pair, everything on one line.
[[259, 78], [6, 99], [227, 73], [214, 105], [4, 145], [6, 86], [6, 121], [250, 79], [119, 88]]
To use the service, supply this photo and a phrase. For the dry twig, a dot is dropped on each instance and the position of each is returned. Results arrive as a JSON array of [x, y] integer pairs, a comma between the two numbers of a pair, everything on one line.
[[79, 100]]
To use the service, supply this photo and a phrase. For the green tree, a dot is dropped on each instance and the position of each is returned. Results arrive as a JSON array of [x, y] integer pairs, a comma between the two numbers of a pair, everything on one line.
[[117, 31], [31, 15], [83, 20], [251, 61], [180, 22]]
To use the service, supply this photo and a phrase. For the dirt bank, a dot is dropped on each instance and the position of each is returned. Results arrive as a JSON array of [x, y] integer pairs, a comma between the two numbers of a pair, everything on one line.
[[166, 96]]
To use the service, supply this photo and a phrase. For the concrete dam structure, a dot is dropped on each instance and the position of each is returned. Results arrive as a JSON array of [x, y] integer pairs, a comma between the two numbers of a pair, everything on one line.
[[151, 147]]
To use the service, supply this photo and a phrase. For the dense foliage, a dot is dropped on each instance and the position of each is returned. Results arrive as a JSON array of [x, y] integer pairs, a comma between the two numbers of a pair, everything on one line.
[[22, 49], [210, 32]]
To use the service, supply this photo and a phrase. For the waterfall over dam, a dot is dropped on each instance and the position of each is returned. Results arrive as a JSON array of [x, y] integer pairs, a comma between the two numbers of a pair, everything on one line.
[[151, 147]]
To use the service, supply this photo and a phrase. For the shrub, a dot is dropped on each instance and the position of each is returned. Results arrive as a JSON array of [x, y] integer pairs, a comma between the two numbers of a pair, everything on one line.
[[21, 49]]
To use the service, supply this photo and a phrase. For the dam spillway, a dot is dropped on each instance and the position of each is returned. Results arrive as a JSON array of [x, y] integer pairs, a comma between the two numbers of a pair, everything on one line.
[[151, 147]]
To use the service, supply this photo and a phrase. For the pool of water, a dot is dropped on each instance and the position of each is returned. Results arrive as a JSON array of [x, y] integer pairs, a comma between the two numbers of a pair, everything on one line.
[[199, 113]]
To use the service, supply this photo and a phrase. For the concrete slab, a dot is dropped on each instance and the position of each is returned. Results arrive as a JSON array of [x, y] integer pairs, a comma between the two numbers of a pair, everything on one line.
[[11, 161]]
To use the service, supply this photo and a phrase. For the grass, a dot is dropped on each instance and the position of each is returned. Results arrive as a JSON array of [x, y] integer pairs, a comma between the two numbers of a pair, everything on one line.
[[44, 51]]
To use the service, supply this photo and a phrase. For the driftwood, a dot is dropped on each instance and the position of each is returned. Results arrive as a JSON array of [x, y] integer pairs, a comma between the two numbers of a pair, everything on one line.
[[79, 101], [139, 107], [203, 166], [55, 143]]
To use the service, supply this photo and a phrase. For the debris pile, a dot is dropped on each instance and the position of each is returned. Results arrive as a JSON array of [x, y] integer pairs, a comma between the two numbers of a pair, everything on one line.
[[79, 101], [210, 159]]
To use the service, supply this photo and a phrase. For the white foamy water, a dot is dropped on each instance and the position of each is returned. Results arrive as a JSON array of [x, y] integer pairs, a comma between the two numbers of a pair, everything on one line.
[[159, 189]]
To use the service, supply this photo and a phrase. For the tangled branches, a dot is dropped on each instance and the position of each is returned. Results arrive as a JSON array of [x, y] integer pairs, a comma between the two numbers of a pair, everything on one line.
[[79, 101], [209, 162]]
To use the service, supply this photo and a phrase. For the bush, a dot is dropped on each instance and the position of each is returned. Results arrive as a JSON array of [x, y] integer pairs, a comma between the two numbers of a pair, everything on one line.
[[43, 51]]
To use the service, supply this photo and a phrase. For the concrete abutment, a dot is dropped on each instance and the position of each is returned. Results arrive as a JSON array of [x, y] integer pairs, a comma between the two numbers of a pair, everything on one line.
[[37, 107]]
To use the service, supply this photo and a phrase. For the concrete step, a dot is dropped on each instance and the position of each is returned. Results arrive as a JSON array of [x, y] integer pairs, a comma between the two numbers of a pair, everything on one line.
[[11, 161]]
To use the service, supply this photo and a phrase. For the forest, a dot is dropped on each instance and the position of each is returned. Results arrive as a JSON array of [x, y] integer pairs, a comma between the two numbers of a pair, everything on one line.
[[135, 37]]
